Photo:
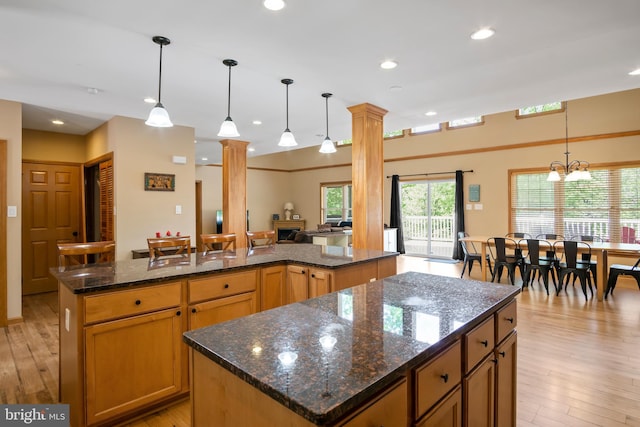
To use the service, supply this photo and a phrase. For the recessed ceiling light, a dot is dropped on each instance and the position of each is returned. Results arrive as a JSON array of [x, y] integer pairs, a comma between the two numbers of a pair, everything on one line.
[[257, 122], [273, 4], [388, 65], [635, 72], [483, 33], [195, 141], [430, 113], [150, 100], [251, 149], [57, 122], [204, 159]]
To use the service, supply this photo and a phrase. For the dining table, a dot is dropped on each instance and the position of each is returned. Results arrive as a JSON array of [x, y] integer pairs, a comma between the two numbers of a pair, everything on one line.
[[600, 252]]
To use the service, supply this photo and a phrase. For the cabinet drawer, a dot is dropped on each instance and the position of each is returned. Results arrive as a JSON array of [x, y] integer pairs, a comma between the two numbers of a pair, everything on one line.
[[222, 285], [389, 410], [478, 343], [506, 320], [130, 302], [434, 380]]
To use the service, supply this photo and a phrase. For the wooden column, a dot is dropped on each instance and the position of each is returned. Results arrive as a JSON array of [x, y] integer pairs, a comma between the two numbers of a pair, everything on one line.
[[234, 189], [367, 176]]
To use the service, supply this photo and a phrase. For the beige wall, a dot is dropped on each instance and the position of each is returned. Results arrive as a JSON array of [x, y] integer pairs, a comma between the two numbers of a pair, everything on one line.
[[53, 146], [11, 131]]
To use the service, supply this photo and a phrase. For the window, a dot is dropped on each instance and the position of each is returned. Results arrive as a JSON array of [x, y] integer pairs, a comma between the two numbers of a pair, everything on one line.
[[466, 122], [393, 134], [607, 206], [336, 202], [536, 110], [343, 142], [434, 127]]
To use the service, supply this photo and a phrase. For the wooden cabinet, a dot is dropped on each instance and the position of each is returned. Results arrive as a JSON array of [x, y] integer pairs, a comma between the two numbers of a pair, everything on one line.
[[221, 309], [390, 409], [506, 374], [479, 395], [447, 413], [436, 378], [307, 282], [273, 287], [320, 282]]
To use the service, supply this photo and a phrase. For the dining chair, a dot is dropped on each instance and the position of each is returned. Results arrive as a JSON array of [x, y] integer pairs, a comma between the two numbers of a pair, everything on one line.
[[85, 253], [550, 236], [622, 270], [569, 264], [533, 263], [628, 235], [166, 246], [261, 238], [471, 254], [226, 242], [501, 259], [593, 264], [518, 235]]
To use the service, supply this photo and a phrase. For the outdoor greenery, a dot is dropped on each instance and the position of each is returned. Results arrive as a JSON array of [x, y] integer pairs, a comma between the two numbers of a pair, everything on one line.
[[414, 198]]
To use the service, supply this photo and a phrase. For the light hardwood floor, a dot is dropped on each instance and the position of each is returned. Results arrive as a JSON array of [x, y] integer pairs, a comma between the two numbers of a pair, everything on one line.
[[578, 362]]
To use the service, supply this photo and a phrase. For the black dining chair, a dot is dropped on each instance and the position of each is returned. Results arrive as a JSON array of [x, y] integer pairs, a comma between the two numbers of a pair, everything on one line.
[[518, 235], [550, 236], [471, 254], [570, 264], [533, 263], [501, 259], [621, 270], [593, 264]]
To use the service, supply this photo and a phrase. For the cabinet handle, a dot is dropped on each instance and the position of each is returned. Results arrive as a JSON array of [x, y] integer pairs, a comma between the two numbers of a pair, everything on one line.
[[509, 319], [313, 275], [301, 271], [503, 353], [193, 310], [138, 302], [495, 361], [484, 343], [178, 313], [226, 286], [445, 377]]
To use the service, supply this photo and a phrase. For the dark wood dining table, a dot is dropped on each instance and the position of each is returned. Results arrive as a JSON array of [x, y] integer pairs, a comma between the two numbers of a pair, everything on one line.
[[600, 252]]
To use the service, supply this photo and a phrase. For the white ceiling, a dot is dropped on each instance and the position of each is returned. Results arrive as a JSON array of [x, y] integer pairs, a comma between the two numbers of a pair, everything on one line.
[[543, 51]]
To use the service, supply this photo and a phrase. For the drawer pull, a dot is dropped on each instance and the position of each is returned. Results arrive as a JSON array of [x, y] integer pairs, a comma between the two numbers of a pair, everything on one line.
[[495, 361], [301, 271], [485, 343], [193, 310], [226, 286], [313, 275], [178, 313], [509, 319], [503, 353], [445, 377], [138, 302]]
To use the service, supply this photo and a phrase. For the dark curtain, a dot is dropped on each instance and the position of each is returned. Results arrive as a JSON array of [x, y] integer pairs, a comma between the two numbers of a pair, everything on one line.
[[459, 215], [396, 211]]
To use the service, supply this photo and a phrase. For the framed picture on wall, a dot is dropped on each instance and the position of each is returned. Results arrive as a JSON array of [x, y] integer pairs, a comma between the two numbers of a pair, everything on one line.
[[474, 192], [295, 216], [159, 182]]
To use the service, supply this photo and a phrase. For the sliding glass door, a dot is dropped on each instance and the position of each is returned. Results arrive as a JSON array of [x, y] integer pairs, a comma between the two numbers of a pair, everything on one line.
[[428, 217]]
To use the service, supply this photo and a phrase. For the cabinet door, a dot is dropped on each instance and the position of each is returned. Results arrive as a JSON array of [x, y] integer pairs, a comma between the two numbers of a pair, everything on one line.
[[272, 287], [478, 394], [319, 282], [447, 413], [506, 374], [388, 410], [221, 310], [297, 283], [120, 373]]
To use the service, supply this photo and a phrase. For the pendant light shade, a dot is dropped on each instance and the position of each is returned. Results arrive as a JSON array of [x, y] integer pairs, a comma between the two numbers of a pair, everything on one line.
[[159, 117], [228, 128], [327, 145], [287, 139]]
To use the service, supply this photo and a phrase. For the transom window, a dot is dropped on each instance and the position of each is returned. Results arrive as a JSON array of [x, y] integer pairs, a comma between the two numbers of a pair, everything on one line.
[[535, 110], [467, 121], [336, 202], [607, 206], [434, 127]]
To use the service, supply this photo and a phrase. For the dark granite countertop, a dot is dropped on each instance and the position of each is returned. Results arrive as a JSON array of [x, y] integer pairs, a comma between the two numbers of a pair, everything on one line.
[[99, 277], [378, 331]]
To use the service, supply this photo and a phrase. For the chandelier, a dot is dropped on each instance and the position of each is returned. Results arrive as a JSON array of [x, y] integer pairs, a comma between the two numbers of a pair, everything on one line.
[[576, 170]]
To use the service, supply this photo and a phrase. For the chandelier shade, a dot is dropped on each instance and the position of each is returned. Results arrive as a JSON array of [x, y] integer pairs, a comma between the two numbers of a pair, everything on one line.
[[228, 128], [159, 116], [287, 139], [327, 145], [575, 170]]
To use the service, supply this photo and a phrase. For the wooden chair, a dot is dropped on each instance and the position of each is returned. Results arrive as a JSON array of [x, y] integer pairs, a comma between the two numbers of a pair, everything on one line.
[[165, 246], [85, 253], [227, 241], [261, 238]]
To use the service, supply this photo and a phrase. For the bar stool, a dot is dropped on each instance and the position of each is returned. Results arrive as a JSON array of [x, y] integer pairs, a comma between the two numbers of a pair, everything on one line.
[[165, 246], [79, 253], [227, 241], [261, 238]]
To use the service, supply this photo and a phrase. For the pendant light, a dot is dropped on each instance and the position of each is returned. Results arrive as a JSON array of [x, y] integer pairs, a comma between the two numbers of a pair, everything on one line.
[[287, 139], [327, 145], [575, 170], [228, 128], [159, 117]]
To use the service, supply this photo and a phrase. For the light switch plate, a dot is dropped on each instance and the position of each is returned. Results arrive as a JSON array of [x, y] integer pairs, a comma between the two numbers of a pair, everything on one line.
[[178, 209], [12, 211]]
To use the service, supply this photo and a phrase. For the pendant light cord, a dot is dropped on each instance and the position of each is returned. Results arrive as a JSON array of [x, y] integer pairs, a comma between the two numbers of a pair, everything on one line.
[[566, 136], [160, 78], [229, 95], [287, 106], [327, 114]]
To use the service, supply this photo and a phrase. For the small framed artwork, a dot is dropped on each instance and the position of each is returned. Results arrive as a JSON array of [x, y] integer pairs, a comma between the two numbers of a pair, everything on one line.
[[474, 192], [159, 182], [275, 217], [295, 216]]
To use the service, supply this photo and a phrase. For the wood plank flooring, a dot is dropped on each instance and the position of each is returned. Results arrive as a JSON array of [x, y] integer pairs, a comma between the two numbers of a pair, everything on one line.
[[578, 361]]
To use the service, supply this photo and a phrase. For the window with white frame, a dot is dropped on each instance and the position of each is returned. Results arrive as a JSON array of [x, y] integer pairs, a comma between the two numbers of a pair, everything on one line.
[[433, 127], [336, 202], [465, 122], [607, 206], [535, 110]]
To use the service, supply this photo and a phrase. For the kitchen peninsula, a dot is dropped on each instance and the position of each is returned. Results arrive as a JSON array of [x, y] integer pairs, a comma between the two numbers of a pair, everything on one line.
[[121, 324], [411, 349]]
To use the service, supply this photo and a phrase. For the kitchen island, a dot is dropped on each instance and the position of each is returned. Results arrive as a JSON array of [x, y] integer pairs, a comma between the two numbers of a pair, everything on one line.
[[121, 324], [411, 349]]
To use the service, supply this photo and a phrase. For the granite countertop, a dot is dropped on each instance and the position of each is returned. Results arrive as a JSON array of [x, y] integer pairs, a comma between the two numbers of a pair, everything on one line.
[[104, 276], [372, 334]]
